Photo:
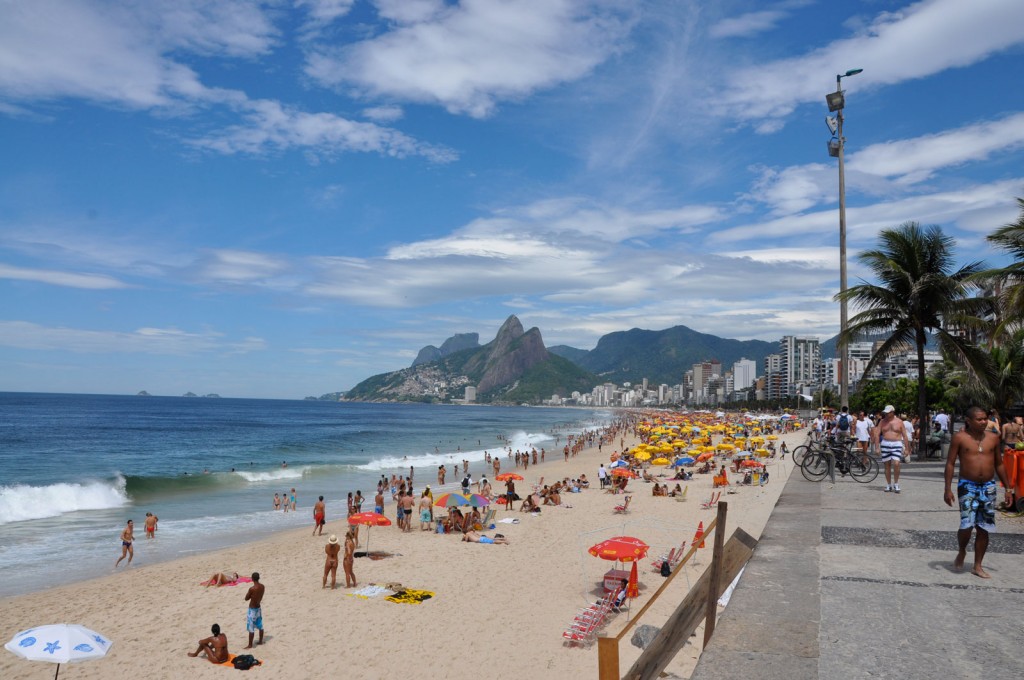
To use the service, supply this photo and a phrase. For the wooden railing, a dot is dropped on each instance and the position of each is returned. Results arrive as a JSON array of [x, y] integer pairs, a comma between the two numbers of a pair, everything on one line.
[[700, 602]]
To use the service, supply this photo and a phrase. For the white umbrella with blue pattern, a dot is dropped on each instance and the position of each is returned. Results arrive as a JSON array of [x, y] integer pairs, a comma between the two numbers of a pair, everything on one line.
[[59, 643]]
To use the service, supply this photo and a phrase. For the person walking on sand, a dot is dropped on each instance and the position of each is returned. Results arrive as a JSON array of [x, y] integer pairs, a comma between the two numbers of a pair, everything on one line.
[[127, 538], [349, 560], [254, 618], [216, 647], [331, 564], [150, 525], [890, 439], [319, 517], [602, 473], [980, 459]]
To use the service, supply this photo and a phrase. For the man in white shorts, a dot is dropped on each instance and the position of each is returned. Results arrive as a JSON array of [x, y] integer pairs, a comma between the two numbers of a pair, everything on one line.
[[890, 438]]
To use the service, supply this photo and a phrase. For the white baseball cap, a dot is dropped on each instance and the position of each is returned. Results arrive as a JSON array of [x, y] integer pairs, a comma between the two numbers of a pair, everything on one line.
[[888, 409]]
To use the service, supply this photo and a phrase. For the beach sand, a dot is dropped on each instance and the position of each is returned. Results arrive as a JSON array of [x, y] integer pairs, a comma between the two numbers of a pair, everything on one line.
[[497, 609]]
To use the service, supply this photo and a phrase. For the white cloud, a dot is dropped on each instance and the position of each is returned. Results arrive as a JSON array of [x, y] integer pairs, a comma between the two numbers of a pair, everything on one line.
[[384, 114], [323, 12], [466, 57], [746, 25], [270, 126], [27, 335], [59, 278], [921, 40]]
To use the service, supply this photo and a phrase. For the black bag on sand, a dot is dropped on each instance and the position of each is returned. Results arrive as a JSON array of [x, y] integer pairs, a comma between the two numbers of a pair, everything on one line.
[[244, 662], [665, 568]]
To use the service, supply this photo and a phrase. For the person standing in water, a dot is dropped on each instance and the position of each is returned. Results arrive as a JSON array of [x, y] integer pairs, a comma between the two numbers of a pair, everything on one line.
[[127, 538]]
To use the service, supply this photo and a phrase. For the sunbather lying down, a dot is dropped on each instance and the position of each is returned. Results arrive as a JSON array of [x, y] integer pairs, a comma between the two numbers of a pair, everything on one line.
[[476, 537], [221, 579]]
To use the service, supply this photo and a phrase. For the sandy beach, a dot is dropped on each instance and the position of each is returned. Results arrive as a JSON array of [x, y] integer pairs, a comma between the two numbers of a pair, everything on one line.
[[496, 609]]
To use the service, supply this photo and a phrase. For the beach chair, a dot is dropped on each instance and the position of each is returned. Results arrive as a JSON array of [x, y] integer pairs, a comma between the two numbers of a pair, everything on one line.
[[682, 497], [656, 564], [711, 502], [624, 508], [486, 521]]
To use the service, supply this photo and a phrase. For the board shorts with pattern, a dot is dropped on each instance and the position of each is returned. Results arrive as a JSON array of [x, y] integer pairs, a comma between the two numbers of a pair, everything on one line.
[[977, 504]]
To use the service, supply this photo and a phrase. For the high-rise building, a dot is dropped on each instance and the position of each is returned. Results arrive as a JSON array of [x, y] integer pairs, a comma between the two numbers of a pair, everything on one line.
[[800, 365], [744, 372]]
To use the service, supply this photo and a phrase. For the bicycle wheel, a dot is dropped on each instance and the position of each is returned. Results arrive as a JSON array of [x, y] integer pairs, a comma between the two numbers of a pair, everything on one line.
[[815, 466], [863, 469], [799, 453]]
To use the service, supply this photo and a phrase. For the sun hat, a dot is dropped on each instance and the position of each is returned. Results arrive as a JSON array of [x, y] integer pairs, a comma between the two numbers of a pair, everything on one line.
[[888, 409], [333, 540]]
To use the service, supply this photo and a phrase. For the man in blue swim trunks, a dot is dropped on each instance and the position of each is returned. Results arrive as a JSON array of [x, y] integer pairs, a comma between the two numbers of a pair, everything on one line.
[[474, 537], [254, 619], [980, 461]]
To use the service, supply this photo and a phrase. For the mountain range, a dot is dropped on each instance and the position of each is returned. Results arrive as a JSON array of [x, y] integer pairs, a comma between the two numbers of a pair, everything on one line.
[[516, 366]]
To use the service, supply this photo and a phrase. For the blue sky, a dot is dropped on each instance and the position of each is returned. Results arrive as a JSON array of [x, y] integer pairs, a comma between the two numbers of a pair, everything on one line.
[[279, 199]]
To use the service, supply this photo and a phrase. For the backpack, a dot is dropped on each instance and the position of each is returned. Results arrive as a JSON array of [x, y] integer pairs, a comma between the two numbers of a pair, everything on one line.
[[665, 568], [844, 422], [244, 662]]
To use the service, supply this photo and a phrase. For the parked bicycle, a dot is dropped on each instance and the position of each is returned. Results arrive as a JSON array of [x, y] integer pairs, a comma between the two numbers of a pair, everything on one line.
[[825, 458]]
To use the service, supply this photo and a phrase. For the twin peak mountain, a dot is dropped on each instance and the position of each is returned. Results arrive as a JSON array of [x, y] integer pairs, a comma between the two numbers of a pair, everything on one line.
[[517, 368]]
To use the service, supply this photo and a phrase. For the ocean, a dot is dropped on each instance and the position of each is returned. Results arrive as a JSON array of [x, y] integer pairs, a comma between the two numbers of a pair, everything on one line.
[[74, 468]]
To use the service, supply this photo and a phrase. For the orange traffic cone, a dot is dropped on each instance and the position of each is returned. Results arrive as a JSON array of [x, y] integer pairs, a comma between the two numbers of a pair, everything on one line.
[[699, 536]]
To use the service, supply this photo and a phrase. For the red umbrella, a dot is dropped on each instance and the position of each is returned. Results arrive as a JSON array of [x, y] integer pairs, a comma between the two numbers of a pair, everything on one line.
[[620, 549], [505, 476], [623, 472], [369, 519], [633, 587]]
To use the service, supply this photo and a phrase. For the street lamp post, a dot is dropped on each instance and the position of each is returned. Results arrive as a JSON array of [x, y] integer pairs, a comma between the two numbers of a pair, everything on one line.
[[836, 102]]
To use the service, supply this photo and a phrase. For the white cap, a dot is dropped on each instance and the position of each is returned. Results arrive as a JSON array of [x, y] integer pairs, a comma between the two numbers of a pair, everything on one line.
[[888, 409]]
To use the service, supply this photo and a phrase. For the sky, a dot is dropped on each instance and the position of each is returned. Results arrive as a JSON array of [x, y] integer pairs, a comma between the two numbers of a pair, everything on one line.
[[279, 199]]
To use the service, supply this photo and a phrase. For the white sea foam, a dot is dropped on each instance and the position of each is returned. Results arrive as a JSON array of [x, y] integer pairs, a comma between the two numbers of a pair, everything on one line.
[[520, 441], [274, 475], [22, 502]]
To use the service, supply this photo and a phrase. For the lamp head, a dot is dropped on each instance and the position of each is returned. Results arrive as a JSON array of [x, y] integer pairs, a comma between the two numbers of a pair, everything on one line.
[[835, 100], [833, 148], [832, 124], [853, 72]]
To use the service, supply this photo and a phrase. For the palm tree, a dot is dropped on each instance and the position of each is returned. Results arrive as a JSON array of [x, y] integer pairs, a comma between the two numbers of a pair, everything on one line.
[[1010, 279], [917, 293]]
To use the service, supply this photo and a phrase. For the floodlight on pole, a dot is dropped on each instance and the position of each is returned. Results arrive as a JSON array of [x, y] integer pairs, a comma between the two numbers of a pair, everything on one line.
[[836, 102]]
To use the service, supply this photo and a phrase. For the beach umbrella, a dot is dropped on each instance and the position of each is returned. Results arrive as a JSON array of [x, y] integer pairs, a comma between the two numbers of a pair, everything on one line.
[[478, 501], [452, 500], [620, 549], [660, 461], [683, 460], [618, 464], [642, 455], [623, 472], [505, 476], [369, 519], [59, 643], [633, 585]]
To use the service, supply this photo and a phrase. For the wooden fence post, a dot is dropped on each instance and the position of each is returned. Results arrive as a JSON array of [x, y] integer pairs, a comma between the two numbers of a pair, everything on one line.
[[711, 609]]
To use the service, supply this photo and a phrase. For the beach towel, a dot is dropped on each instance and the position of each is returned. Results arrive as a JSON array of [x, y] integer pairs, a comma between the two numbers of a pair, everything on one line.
[[509, 520], [370, 591], [241, 579], [230, 663], [410, 596]]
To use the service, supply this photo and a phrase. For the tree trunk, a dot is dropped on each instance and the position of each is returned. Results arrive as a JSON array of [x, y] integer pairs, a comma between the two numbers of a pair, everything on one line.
[[922, 398]]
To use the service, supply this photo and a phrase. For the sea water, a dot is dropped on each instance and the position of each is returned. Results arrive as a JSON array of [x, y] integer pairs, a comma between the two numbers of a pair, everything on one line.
[[74, 468]]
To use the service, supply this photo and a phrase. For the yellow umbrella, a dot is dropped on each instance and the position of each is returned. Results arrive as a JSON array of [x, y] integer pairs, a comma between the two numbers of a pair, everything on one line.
[[761, 452], [642, 455], [661, 461]]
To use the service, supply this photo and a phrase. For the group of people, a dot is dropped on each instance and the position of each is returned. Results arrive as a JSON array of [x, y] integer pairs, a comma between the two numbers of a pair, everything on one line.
[[216, 646], [285, 501], [128, 537]]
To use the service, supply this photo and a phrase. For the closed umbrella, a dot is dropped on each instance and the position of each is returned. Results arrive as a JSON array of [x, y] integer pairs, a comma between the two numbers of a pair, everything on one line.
[[59, 643]]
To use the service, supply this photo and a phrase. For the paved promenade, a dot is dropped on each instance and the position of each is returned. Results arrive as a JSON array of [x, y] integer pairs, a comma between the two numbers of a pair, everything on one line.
[[851, 582]]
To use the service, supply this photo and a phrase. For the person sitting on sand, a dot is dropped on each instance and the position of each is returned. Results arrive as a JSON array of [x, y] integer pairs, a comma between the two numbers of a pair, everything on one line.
[[475, 537], [216, 646], [656, 491], [222, 579], [529, 504], [678, 491], [584, 482]]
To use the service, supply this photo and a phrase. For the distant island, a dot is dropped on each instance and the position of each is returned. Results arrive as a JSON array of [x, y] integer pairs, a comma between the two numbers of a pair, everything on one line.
[[143, 393], [330, 396]]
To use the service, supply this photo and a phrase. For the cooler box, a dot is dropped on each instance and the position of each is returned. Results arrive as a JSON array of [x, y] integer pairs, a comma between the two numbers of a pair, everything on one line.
[[613, 579]]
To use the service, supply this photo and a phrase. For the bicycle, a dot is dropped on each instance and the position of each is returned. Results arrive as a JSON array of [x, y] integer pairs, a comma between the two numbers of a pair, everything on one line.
[[824, 459]]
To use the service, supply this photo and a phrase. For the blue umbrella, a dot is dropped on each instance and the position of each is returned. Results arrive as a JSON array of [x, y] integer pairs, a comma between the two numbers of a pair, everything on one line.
[[59, 643], [682, 460]]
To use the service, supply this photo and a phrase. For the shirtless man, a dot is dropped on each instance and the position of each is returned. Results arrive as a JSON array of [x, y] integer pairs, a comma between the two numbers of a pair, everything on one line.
[[425, 517], [378, 502], [407, 503], [277, 502], [150, 525], [475, 537], [216, 647], [980, 460], [890, 440], [127, 537], [254, 618], [319, 517], [332, 549]]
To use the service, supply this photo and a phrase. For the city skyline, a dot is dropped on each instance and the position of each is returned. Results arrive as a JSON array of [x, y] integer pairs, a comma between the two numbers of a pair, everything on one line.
[[280, 199]]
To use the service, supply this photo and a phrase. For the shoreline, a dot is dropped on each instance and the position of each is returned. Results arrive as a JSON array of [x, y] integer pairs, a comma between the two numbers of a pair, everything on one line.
[[501, 599]]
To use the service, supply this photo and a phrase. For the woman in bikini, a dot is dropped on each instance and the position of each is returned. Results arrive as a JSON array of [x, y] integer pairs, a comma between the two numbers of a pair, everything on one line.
[[221, 578], [331, 564], [349, 560]]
